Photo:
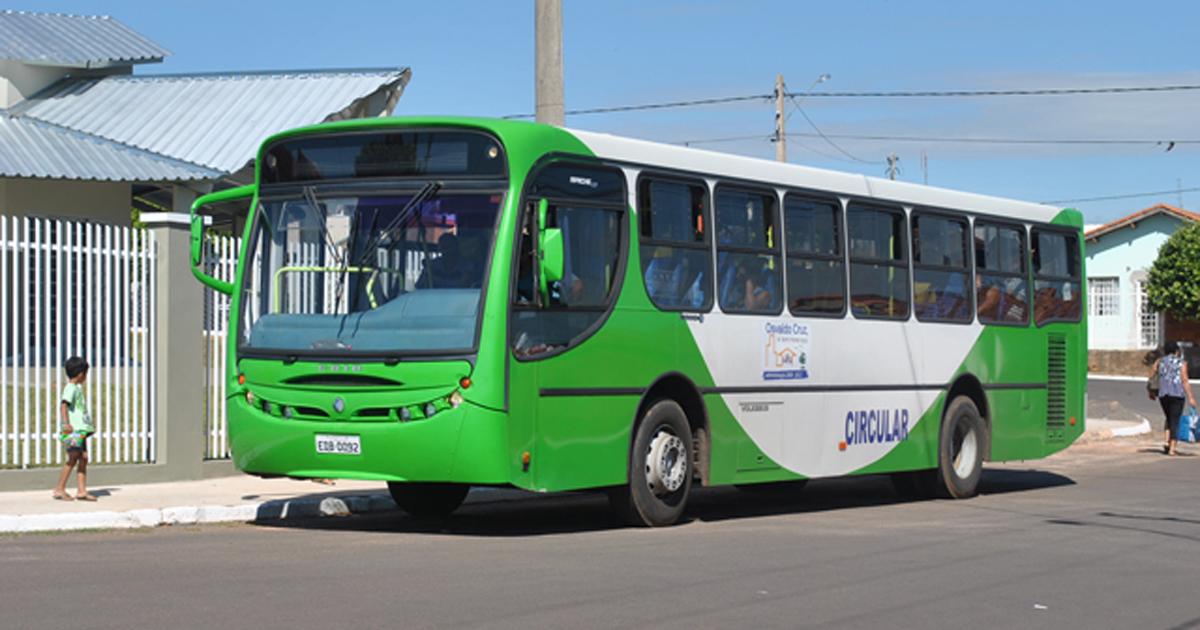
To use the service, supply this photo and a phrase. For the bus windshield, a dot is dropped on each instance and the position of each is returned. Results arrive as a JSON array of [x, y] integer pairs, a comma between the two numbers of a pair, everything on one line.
[[384, 273]]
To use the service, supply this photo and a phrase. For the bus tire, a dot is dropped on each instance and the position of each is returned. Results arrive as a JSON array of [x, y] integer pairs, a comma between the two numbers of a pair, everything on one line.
[[660, 469], [428, 499], [961, 449]]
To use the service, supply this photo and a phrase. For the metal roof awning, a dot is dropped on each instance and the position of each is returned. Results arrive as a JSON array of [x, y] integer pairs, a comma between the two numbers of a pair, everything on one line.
[[178, 127], [76, 41], [37, 150], [212, 120]]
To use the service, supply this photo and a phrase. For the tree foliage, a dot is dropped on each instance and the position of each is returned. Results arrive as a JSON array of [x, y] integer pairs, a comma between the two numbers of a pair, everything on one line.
[[1174, 282]]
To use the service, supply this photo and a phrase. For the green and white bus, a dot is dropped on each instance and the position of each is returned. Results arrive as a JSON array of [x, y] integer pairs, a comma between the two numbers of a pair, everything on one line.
[[440, 303]]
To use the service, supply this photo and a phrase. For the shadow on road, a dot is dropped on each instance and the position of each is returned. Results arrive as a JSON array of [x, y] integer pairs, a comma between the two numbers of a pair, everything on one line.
[[578, 512]]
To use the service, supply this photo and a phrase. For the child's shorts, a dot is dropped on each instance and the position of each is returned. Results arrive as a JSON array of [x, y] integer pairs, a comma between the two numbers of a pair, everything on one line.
[[75, 442]]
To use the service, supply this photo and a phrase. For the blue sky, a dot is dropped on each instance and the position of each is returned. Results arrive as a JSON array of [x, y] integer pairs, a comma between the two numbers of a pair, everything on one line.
[[477, 58]]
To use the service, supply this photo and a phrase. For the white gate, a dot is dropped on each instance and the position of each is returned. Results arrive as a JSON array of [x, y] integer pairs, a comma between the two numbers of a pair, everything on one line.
[[221, 262], [75, 288]]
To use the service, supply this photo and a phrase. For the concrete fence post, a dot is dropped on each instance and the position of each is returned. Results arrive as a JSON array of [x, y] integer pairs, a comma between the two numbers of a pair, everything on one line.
[[178, 350]]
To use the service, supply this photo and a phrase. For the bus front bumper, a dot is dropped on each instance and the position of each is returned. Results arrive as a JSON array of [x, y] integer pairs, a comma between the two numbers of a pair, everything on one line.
[[462, 445]]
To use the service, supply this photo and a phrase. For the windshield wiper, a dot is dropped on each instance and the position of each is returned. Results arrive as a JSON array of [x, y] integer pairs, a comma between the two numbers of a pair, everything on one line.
[[427, 192], [311, 198], [356, 261]]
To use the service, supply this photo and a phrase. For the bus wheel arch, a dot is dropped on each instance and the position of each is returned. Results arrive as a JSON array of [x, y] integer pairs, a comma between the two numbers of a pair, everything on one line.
[[970, 386], [679, 388]]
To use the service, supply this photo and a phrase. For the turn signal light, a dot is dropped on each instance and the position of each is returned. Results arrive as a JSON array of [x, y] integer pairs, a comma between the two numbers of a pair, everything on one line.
[[1072, 420], [241, 379], [842, 445], [464, 382]]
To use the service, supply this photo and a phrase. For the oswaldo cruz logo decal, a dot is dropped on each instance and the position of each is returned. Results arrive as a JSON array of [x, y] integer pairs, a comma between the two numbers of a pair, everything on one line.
[[785, 355]]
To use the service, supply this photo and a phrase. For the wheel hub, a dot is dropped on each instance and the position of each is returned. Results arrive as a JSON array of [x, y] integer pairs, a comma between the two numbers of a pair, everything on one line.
[[666, 463], [965, 453]]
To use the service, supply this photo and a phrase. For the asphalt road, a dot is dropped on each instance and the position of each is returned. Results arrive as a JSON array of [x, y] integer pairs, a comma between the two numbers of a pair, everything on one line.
[[1106, 535], [1125, 400]]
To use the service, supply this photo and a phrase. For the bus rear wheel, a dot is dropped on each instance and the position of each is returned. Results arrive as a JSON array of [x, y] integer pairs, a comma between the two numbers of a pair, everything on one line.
[[660, 469], [428, 499], [961, 450]]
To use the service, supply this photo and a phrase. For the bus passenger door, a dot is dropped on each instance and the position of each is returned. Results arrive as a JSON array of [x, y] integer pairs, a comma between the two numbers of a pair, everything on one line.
[[571, 252]]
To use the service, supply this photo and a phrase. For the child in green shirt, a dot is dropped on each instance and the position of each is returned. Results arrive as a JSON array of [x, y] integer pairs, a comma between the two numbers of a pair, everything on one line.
[[76, 428]]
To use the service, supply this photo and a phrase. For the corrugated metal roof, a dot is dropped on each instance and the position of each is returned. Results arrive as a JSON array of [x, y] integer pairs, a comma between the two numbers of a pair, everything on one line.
[[73, 40], [32, 149], [214, 120]]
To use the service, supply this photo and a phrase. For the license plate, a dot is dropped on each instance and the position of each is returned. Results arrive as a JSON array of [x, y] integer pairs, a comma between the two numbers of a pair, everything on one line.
[[339, 444]]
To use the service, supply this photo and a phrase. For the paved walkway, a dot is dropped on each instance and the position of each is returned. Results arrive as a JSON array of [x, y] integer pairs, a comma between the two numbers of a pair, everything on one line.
[[245, 498]]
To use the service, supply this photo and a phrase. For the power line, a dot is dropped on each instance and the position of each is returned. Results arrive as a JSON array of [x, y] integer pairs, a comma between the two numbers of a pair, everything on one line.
[[727, 139], [1025, 92], [649, 106], [1127, 196], [876, 94], [982, 140], [826, 138], [956, 140]]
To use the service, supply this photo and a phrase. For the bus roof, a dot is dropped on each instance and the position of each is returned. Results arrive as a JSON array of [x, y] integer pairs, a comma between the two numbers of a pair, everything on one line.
[[666, 156]]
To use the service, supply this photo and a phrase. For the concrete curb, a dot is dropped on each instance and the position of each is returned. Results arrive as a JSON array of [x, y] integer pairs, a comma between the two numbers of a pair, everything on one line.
[[200, 514], [1114, 429]]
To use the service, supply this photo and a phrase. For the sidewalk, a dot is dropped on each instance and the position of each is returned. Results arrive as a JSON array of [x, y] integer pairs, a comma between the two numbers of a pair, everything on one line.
[[243, 498], [229, 499]]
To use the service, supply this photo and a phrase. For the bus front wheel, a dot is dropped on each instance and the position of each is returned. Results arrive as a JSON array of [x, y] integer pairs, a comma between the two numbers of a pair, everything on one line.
[[428, 499], [660, 469]]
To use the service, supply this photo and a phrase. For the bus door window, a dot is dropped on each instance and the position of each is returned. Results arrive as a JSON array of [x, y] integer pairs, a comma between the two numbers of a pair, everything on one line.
[[1001, 287], [816, 278], [749, 274], [675, 252], [941, 290], [1056, 277], [878, 262], [593, 248]]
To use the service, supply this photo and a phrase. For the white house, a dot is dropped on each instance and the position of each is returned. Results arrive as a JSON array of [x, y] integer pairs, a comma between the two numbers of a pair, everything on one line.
[[1119, 256]]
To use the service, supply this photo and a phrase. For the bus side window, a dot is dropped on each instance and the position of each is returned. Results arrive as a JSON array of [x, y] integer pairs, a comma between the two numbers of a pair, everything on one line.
[[816, 275], [878, 262], [1001, 286], [674, 245], [1056, 281], [749, 275], [941, 274]]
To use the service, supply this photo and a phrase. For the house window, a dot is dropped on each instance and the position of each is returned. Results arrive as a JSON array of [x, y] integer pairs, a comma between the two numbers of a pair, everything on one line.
[[1148, 331], [1103, 297]]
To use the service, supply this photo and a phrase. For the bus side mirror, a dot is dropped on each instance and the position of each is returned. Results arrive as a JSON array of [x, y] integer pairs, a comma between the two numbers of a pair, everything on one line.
[[550, 250], [197, 236]]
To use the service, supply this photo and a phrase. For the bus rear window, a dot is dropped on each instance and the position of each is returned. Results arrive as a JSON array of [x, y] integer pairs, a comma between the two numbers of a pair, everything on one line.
[[380, 154]]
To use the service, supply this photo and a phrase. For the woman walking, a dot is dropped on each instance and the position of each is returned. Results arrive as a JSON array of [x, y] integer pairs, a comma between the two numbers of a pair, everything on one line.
[[1173, 386]]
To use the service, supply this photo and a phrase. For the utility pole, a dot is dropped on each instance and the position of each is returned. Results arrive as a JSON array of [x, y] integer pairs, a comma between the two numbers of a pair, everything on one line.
[[925, 166], [893, 165], [548, 81], [780, 132]]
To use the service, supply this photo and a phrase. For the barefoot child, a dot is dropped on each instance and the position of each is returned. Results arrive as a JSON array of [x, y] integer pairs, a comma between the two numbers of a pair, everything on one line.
[[76, 429]]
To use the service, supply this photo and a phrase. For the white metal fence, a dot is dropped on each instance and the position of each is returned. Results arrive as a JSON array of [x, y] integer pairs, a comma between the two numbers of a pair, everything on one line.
[[75, 288], [221, 262]]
